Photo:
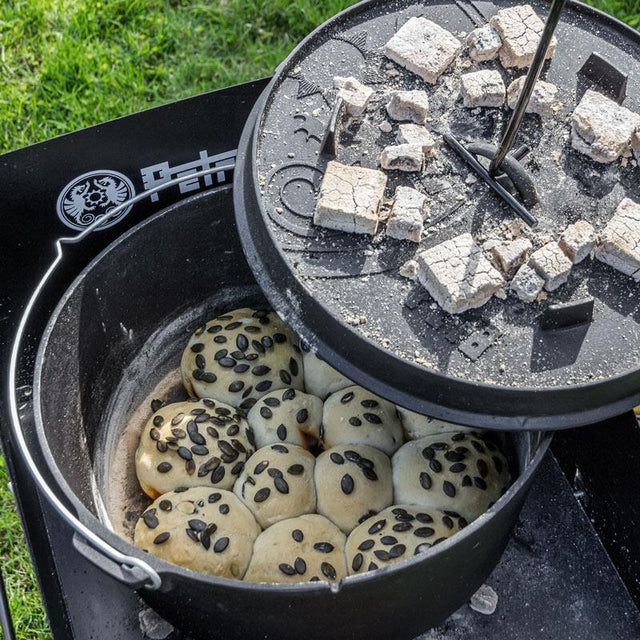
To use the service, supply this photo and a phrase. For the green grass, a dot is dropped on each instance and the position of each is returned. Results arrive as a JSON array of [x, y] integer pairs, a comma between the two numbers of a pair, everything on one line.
[[67, 64]]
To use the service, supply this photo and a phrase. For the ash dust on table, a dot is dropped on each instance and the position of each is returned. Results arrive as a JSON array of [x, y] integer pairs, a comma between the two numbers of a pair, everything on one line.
[[357, 276]]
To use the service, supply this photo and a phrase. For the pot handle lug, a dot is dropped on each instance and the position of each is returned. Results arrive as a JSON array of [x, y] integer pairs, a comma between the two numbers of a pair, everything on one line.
[[132, 576], [127, 569]]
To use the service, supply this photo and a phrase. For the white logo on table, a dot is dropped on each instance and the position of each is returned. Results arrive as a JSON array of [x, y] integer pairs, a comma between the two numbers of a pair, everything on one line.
[[158, 174], [94, 194]]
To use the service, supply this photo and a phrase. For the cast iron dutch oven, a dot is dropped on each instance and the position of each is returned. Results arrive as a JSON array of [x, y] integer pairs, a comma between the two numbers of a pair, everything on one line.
[[118, 331]]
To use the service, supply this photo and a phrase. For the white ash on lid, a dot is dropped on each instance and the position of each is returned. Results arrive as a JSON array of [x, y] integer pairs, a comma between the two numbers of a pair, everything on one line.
[[357, 416], [320, 378], [458, 275], [483, 43], [543, 101], [511, 255], [407, 215], [520, 29], [409, 105], [286, 416], [192, 443], [308, 548], [484, 600], [462, 472], [620, 241], [424, 48], [399, 532], [402, 157], [552, 265], [353, 482], [350, 198], [409, 270], [527, 284], [277, 483], [205, 529], [578, 240], [417, 426], [416, 134], [241, 355], [354, 94], [482, 89], [601, 128]]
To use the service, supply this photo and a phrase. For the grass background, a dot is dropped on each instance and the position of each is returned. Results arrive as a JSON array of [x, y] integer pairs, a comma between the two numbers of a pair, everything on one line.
[[67, 64]]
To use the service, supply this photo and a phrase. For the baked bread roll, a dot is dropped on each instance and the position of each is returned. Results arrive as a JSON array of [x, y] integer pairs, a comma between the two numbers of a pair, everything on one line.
[[396, 533], [357, 416], [203, 529], [459, 472], [353, 482], [286, 416], [240, 356], [320, 378], [190, 444], [418, 426], [304, 549], [277, 483]]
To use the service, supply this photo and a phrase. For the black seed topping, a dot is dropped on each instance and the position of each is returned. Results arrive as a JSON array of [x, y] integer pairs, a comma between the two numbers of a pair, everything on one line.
[[272, 402], [266, 413], [241, 342], [381, 554], [193, 535], [197, 374], [369, 474], [237, 445], [483, 469], [150, 518], [233, 431], [156, 405], [190, 466], [289, 394], [397, 551], [267, 342], [355, 422], [458, 467], [252, 329], [213, 432], [300, 566], [179, 433], [214, 328], [449, 489], [205, 539], [165, 505], [197, 347], [366, 545], [402, 526], [236, 386], [440, 446], [296, 469], [257, 346], [177, 419], [280, 448], [199, 450], [237, 468], [214, 497], [260, 370], [352, 456], [274, 473], [281, 485], [201, 362], [154, 434], [435, 466], [162, 537], [466, 481], [157, 421], [265, 385], [347, 397], [260, 467], [221, 411], [280, 338], [227, 363], [209, 377], [233, 325], [372, 566], [323, 547], [346, 484], [287, 569], [217, 475], [224, 509], [297, 535], [221, 544], [164, 467], [388, 540], [281, 432], [377, 526], [302, 416], [180, 489], [365, 463], [241, 368], [197, 525], [404, 517], [480, 483], [336, 458], [328, 571], [477, 446], [372, 418], [184, 453], [357, 562], [425, 481], [262, 494], [226, 448], [293, 367], [454, 456], [425, 518], [424, 532]]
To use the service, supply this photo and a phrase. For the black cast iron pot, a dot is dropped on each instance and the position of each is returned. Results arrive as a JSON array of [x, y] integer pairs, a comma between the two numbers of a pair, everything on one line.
[[113, 342]]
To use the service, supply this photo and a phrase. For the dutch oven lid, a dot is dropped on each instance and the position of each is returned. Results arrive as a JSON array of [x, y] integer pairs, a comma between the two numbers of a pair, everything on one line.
[[496, 366]]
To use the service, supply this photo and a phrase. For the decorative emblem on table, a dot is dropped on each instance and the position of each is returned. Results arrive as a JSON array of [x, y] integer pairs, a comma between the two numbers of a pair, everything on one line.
[[92, 195]]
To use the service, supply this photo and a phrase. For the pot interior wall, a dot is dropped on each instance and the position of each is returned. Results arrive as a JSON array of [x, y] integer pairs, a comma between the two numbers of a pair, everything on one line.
[[116, 339]]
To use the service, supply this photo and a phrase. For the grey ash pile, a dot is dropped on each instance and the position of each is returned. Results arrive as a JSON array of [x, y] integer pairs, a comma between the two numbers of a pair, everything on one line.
[[301, 487]]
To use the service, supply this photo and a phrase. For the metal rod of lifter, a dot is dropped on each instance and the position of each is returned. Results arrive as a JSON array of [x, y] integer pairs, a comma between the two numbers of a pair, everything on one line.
[[532, 77]]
